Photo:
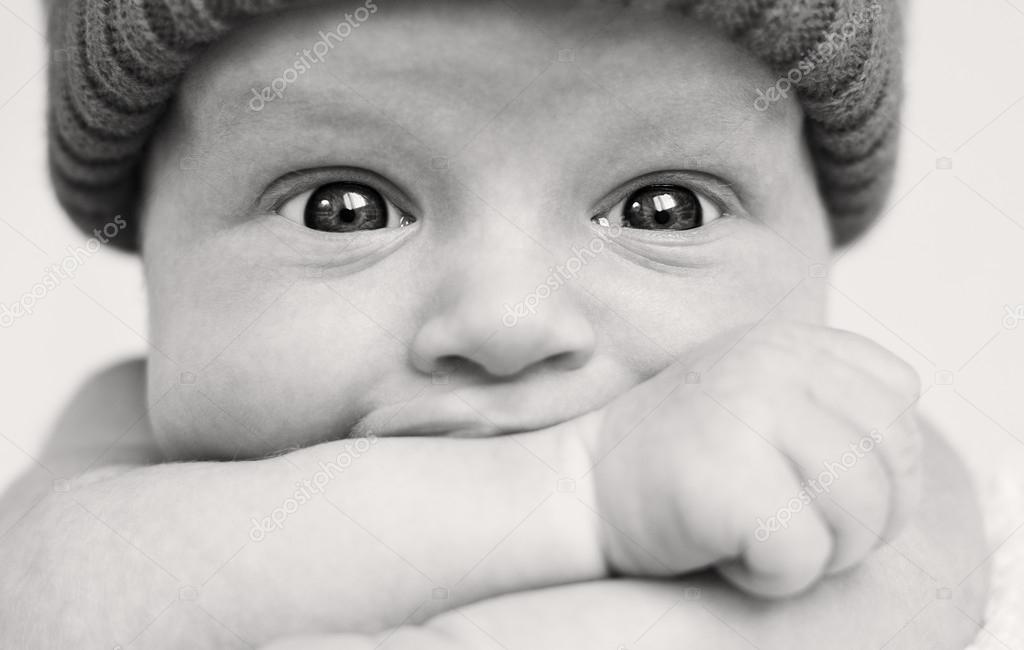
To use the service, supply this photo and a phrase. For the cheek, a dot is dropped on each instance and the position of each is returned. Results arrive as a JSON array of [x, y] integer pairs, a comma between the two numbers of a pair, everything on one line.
[[757, 276], [272, 362]]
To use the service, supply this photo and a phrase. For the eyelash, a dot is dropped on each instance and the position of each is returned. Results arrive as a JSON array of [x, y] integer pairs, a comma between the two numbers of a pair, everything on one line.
[[295, 184], [718, 192]]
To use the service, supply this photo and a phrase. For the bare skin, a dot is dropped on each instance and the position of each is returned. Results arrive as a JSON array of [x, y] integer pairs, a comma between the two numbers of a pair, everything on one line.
[[271, 337], [872, 602]]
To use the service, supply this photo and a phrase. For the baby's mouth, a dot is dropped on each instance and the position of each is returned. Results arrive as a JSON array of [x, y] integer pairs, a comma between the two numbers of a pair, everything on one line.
[[467, 408], [437, 415], [472, 413]]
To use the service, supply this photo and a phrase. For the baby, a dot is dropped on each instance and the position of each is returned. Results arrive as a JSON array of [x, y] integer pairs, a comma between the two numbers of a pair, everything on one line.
[[487, 325]]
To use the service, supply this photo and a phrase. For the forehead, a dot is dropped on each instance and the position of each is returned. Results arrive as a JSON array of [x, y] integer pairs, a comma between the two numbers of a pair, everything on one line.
[[462, 63]]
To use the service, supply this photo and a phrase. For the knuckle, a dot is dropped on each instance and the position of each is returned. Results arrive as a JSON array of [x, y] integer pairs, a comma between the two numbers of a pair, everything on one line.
[[905, 377], [907, 445], [897, 371]]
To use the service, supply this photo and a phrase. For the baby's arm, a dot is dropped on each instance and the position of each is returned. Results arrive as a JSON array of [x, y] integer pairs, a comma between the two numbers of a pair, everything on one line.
[[895, 599], [327, 572], [93, 566]]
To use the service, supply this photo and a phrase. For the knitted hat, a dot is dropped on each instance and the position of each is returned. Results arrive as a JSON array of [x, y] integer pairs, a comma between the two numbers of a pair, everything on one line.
[[117, 64]]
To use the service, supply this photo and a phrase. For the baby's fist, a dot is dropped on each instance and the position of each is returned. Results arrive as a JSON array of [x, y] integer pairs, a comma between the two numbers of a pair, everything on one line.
[[776, 454]]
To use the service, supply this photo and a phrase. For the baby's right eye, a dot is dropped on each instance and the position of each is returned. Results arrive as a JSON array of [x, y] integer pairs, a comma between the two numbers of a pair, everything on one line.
[[663, 207], [344, 207]]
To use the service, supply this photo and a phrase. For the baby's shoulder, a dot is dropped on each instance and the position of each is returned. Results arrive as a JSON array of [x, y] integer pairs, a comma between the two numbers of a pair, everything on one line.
[[111, 398], [105, 422]]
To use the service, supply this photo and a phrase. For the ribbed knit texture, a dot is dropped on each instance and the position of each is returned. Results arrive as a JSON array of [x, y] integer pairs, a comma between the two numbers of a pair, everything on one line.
[[117, 64]]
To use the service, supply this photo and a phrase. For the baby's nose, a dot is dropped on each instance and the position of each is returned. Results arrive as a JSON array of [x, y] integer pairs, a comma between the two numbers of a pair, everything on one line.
[[496, 320]]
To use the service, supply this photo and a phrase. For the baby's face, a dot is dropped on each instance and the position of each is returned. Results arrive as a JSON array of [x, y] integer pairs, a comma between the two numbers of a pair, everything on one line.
[[467, 218]]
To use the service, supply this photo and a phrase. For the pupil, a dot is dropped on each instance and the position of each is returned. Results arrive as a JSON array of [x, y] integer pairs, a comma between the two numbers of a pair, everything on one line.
[[667, 207], [345, 207]]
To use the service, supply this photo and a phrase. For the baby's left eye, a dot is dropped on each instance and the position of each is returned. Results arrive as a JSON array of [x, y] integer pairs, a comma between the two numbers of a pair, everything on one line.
[[663, 207], [343, 207]]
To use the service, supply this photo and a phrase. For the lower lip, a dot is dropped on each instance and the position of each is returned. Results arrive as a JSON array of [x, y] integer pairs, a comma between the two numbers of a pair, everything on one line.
[[434, 416]]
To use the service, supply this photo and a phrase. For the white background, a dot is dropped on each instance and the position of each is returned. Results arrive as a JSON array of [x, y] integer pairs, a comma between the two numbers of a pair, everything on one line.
[[932, 282]]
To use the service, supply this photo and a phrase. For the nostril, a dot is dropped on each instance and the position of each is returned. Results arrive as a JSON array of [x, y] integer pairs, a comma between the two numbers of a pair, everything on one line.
[[457, 364], [461, 341], [450, 363]]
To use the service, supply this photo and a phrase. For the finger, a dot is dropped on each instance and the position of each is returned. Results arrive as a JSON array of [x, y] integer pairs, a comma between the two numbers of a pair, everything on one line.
[[855, 350], [850, 490], [885, 418], [879, 403], [887, 429], [786, 545], [863, 382], [902, 448]]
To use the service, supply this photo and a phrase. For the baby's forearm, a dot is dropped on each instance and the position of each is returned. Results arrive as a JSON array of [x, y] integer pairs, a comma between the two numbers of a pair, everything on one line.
[[878, 604], [392, 530]]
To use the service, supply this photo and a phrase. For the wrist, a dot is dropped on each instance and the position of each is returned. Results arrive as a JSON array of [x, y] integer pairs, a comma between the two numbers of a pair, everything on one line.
[[613, 488], [577, 484]]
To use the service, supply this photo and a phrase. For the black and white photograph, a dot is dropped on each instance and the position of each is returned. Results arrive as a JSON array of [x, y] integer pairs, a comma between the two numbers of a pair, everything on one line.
[[512, 325]]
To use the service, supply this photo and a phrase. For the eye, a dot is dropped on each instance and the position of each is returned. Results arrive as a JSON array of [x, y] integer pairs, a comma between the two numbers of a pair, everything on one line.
[[344, 207], [663, 207]]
